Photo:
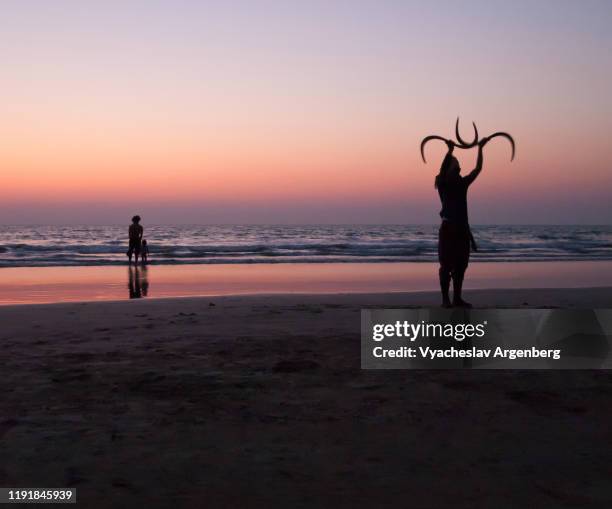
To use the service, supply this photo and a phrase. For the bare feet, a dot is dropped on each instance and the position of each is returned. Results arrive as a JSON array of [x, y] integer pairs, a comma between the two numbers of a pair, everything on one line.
[[446, 303], [460, 303]]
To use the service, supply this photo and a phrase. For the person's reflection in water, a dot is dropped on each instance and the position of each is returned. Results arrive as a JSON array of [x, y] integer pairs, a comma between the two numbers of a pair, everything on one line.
[[138, 282], [145, 280]]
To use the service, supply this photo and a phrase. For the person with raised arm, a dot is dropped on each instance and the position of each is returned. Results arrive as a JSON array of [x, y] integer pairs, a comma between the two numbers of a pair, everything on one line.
[[455, 238]]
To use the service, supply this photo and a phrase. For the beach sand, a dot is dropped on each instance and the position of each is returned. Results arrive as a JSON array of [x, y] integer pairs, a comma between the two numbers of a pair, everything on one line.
[[259, 401]]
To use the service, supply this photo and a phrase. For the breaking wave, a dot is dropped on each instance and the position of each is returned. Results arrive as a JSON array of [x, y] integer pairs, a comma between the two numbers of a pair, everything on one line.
[[78, 245]]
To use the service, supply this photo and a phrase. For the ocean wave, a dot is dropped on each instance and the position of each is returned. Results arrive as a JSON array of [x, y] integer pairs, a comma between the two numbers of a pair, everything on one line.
[[69, 246]]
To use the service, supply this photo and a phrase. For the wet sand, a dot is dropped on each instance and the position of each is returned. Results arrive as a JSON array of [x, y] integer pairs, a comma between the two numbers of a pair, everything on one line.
[[25, 285], [259, 401]]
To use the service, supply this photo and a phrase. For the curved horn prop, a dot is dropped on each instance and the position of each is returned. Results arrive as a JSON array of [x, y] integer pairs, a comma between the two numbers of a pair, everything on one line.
[[429, 138], [463, 144], [508, 137], [435, 137]]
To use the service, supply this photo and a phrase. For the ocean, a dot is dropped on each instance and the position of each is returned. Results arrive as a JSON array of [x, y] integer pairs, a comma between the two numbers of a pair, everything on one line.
[[23, 246]]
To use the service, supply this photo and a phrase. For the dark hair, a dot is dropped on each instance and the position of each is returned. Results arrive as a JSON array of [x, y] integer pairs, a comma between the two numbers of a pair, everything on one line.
[[442, 177], [136, 219], [144, 242]]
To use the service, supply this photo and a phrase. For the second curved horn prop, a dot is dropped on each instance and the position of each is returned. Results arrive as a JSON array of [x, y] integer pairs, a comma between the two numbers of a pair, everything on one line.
[[508, 137], [462, 143]]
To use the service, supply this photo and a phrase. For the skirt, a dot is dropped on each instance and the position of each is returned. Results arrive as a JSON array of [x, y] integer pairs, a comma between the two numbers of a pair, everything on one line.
[[454, 246]]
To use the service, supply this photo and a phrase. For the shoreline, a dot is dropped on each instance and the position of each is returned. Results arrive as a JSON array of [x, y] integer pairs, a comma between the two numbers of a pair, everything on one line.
[[30, 285], [491, 298]]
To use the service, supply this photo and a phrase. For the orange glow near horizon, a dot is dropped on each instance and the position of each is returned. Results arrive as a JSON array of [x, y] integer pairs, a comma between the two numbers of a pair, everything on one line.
[[249, 173], [276, 107]]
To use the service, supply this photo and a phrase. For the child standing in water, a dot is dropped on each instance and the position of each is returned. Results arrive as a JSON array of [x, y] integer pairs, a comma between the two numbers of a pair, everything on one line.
[[144, 251]]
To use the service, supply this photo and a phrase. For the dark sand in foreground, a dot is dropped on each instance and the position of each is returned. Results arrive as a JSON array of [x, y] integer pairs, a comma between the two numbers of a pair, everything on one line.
[[260, 402]]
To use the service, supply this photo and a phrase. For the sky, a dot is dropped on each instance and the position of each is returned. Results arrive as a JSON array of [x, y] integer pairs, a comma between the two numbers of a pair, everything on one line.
[[300, 112]]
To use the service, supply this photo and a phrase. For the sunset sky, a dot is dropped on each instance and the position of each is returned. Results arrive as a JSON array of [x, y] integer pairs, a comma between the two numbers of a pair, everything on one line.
[[300, 112]]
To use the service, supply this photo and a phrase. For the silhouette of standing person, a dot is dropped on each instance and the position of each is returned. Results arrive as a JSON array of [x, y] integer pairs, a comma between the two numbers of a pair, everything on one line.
[[455, 238], [135, 233]]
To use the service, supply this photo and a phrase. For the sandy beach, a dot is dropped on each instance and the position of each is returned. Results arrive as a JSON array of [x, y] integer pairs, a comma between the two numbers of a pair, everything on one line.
[[259, 401]]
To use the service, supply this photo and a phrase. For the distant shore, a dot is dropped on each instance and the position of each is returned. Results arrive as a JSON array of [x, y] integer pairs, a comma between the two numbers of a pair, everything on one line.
[[29, 285]]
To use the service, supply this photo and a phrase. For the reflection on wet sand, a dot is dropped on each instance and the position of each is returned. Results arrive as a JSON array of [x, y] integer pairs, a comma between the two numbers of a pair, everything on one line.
[[138, 281], [21, 285]]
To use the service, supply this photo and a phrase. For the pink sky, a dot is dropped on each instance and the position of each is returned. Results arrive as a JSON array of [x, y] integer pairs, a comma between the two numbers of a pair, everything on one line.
[[204, 113]]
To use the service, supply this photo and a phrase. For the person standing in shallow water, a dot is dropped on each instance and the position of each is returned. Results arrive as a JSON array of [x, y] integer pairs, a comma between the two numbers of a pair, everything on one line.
[[455, 238], [135, 233]]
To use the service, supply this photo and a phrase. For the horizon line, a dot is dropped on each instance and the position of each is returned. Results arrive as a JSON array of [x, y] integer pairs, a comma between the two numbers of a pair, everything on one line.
[[295, 224]]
